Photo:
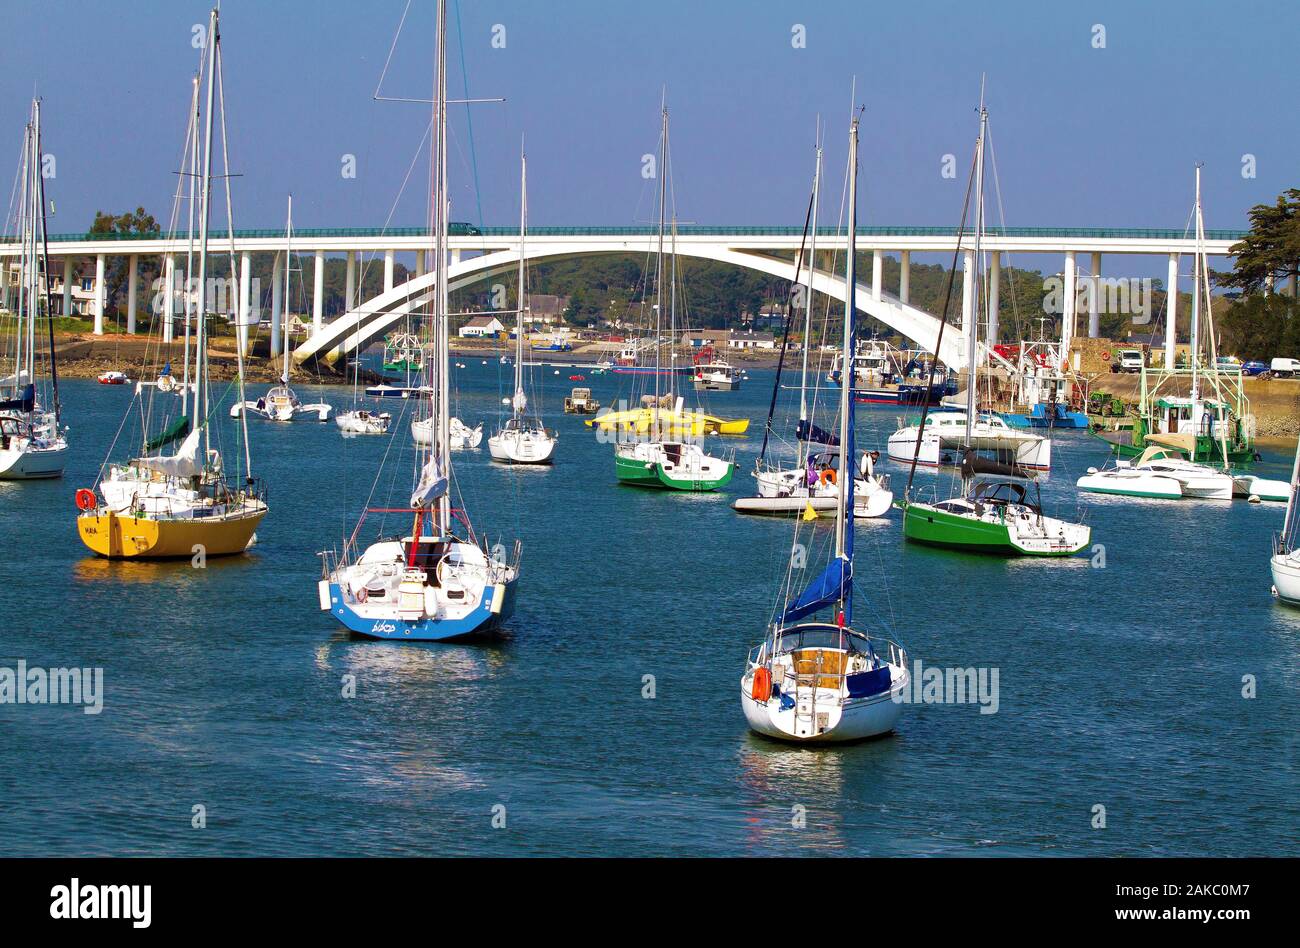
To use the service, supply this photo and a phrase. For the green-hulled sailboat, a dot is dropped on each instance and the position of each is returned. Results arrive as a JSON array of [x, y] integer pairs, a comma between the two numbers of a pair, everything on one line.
[[994, 513]]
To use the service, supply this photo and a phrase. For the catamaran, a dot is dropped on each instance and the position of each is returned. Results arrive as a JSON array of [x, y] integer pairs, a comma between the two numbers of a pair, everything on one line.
[[813, 482], [665, 457], [439, 581], [997, 514], [523, 439], [281, 403], [1188, 457], [33, 438], [160, 506], [818, 681]]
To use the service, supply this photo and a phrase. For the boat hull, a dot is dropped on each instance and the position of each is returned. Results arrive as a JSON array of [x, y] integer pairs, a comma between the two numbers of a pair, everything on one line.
[[536, 450], [639, 473], [496, 606], [1286, 578], [923, 523], [30, 465], [122, 537], [1149, 486]]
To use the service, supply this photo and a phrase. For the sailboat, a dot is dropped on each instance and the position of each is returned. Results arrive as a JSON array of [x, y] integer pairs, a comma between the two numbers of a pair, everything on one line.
[[33, 438], [818, 681], [1170, 465], [523, 439], [439, 581], [668, 455], [281, 403], [161, 506], [1285, 562], [996, 514], [812, 482]]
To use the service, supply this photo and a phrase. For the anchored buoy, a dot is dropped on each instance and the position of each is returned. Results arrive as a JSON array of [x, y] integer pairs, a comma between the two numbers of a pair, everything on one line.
[[1253, 499]]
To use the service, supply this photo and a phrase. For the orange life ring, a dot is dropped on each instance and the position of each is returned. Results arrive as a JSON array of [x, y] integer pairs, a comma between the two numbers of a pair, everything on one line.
[[827, 476], [762, 689], [1105, 355], [86, 499]]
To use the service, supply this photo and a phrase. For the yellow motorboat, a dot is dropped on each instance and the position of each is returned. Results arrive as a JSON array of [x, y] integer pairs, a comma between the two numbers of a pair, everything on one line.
[[672, 422]]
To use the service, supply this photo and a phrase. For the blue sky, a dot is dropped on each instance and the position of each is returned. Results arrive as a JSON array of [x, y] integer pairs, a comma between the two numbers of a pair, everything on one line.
[[1083, 136]]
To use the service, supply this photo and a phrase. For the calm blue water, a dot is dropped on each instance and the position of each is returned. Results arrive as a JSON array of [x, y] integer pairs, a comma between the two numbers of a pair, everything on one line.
[[1118, 686]]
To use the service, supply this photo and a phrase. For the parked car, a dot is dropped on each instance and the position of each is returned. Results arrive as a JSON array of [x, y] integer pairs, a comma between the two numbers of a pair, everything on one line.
[[1253, 368], [1128, 360], [1284, 368]]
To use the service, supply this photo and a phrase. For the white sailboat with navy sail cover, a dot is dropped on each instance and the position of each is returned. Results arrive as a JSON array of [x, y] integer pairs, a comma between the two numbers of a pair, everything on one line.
[[818, 681]]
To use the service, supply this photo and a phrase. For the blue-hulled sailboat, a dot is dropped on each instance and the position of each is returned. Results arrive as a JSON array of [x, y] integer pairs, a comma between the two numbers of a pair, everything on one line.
[[440, 581]]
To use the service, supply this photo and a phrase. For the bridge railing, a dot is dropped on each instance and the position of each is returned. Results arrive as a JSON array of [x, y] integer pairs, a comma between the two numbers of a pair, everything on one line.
[[689, 230]]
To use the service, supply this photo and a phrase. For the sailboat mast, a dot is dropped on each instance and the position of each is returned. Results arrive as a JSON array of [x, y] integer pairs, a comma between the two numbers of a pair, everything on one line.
[[192, 148], [45, 268], [659, 265], [202, 395], [284, 315], [973, 328], [808, 303], [523, 293], [440, 252], [24, 264], [1196, 294], [846, 386]]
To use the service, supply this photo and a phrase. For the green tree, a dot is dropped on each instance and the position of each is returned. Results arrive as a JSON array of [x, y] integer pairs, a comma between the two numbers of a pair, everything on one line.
[[1272, 248]]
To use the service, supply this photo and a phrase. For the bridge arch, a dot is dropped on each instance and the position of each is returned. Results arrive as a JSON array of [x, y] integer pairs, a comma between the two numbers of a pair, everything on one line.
[[368, 322]]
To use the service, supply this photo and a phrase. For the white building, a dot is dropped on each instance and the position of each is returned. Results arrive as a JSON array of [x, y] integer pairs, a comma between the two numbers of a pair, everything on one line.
[[751, 340], [481, 327]]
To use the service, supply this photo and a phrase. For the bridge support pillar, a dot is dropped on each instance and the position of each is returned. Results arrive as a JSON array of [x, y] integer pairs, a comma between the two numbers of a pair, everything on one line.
[[4, 283], [1171, 310], [169, 298], [1071, 293], [905, 276], [877, 274], [350, 303], [995, 287], [388, 270], [420, 266], [100, 301], [132, 290], [455, 256], [967, 303], [67, 285], [1094, 302], [245, 308], [318, 292], [277, 305]]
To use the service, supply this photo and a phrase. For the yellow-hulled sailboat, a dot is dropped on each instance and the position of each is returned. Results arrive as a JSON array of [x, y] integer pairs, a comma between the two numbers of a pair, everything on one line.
[[182, 505]]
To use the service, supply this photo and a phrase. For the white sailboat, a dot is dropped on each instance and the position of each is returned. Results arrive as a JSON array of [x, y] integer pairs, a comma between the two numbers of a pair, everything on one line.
[[813, 481], [439, 581], [1285, 562], [281, 403], [33, 438], [523, 439], [823, 682]]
